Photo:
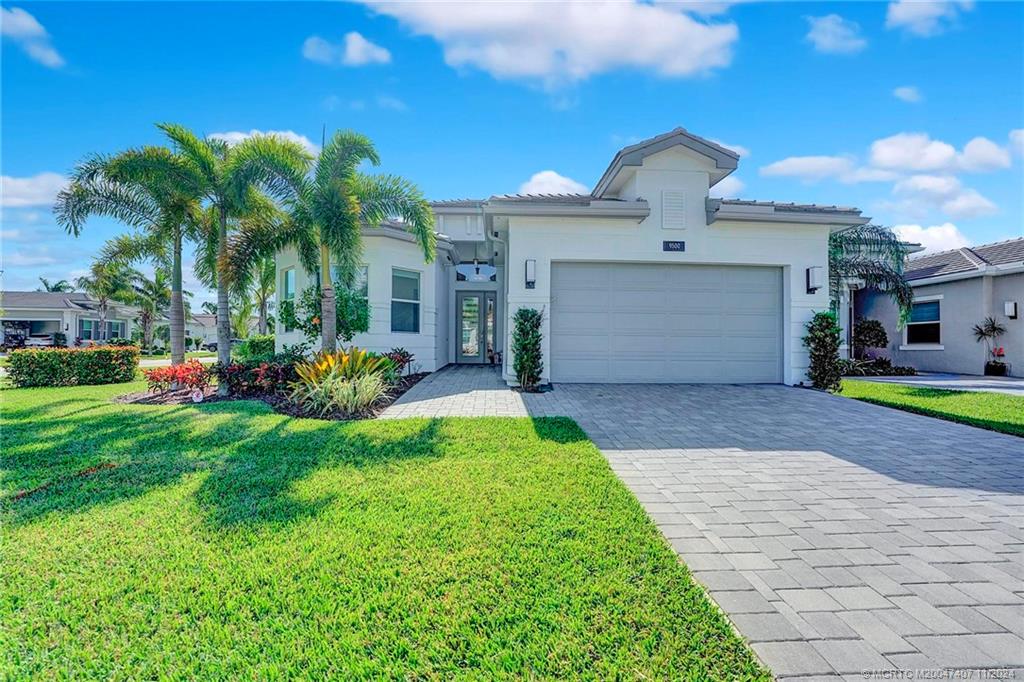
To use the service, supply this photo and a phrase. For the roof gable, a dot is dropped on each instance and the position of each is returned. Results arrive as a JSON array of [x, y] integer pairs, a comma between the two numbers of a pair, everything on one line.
[[966, 259], [723, 159]]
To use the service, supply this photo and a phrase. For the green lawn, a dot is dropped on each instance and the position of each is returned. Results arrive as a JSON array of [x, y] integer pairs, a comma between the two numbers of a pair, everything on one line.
[[995, 411], [225, 541]]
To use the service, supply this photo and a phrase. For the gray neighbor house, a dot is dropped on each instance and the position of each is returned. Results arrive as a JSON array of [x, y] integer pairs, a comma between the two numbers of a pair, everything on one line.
[[953, 291]]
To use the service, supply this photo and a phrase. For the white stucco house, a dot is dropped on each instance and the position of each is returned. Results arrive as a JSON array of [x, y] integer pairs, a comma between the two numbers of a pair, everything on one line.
[[35, 316], [646, 279]]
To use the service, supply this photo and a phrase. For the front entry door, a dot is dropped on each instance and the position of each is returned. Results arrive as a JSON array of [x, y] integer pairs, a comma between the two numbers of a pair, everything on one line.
[[475, 326]]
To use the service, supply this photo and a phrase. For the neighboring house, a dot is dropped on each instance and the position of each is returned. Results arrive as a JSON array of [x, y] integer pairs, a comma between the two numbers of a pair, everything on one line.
[[204, 326], [953, 291], [37, 315], [645, 279]]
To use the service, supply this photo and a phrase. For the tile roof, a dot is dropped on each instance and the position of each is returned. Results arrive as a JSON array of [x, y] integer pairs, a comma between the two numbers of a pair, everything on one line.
[[965, 259], [48, 299], [573, 199], [782, 206]]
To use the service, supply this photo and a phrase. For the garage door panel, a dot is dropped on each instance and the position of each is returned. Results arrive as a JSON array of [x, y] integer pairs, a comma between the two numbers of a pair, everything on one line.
[[665, 323]]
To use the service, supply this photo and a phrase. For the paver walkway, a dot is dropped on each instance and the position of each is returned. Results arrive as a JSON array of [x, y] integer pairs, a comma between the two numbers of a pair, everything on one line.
[[958, 382], [459, 390], [838, 536]]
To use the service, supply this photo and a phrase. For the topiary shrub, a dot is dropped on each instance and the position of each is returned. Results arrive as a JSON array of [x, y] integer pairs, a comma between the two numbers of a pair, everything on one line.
[[868, 334], [822, 342], [73, 366], [528, 362]]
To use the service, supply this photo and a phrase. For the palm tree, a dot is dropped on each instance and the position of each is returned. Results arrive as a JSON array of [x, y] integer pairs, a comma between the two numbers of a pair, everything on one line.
[[327, 215], [874, 254], [152, 296], [107, 282], [139, 187], [61, 286], [230, 180], [209, 307], [241, 314], [263, 286]]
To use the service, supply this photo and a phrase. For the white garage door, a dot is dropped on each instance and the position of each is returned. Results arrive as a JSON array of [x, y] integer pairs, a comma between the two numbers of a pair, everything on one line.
[[623, 322]]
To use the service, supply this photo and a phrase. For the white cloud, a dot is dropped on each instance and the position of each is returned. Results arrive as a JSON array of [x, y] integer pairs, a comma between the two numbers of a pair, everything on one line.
[[832, 34], [38, 190], [354, 51], [809, 168], [1017, 141], [738, 148], [562, 43], [550, 182], [907, 93], [23, 28], [925, 17], [392, 103], [729, 187], [982, 154], [944, 192], [912, 152], [934, 238], [234, 137]]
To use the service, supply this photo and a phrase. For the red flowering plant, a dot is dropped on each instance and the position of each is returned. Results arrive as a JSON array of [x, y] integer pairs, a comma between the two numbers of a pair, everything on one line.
[[191, 375], [999, 352]]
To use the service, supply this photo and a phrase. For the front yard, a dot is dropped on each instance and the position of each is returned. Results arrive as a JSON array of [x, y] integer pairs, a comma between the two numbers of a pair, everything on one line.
[[994, 411], [228, 541]]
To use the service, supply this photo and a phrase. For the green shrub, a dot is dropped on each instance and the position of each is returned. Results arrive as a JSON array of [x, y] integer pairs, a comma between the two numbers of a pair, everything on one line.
[[868, 334], [528, 362], [73, 366], [822, 341], [258, 347], [352, 310], [876, 367]]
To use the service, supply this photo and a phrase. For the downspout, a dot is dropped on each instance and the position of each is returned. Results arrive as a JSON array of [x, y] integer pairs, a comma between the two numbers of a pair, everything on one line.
[[504, 327]]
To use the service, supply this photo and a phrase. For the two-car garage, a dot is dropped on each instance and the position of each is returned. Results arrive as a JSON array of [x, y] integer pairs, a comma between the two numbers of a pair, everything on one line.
[[665, 323]]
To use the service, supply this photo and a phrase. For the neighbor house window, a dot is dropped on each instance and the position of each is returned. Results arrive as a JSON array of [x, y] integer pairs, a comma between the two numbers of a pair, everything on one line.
[[405, 301], [85, 329], [115, 330], [361, 285], [90, 330], [288, 289], [925, 320]]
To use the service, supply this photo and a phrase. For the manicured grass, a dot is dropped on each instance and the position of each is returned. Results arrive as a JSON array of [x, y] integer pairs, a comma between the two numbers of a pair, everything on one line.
[[995, 411], [226, 541]]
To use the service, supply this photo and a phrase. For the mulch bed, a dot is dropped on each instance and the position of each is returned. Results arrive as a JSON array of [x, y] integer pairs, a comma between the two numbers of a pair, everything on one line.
[[276, 400]]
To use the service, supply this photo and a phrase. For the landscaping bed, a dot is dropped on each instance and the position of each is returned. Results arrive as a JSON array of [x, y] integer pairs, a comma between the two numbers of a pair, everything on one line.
[[225, 541], [993, 411]]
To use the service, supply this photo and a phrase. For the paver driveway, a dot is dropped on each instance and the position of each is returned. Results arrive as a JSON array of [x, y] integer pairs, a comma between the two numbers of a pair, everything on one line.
[[838, 536]]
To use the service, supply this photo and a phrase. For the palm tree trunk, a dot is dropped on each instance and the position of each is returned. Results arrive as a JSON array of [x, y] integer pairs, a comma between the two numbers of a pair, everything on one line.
[[177, 321], [102, 310], [328, 311], [263, 315], [147, 330], [223, 309]]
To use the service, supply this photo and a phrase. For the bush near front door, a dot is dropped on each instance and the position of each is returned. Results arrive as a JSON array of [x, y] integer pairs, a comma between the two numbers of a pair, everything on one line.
[[526, 347], [822, 341]]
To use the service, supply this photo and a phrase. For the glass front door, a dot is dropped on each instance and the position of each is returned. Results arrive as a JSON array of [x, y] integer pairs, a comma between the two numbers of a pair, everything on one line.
[[476, 312]]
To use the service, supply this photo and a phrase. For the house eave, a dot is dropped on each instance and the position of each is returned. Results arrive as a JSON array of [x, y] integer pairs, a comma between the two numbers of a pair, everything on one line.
[[985, 271], [636, 210]]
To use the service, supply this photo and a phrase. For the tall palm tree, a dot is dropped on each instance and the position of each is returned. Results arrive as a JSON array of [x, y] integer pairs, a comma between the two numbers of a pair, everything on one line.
[[230, 180], [61, 286], [327, 214], [874, 254], [152, 296], [139, 187], [107, 283], [241, 315]]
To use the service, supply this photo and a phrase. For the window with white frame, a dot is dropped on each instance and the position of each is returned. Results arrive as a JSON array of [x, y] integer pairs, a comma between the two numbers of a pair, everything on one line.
[[91, 330], [405, 301], [924, 327], [361, 284], [288, 289]]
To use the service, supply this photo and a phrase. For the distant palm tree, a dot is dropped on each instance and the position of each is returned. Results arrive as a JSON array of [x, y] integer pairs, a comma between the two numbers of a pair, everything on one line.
[[209, 307], [327, 215], [230, 180], [241, 316], [139, 187], [152, 296], [60, 286], [263, 286], [874, 254], [107, 283]]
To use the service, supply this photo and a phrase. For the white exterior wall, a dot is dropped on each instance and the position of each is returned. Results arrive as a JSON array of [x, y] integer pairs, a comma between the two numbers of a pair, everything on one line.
[[67, 319], [380, 255], [794, 247]]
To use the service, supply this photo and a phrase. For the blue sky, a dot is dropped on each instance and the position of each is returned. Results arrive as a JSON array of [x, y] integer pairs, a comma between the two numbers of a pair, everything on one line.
[[905, 109]]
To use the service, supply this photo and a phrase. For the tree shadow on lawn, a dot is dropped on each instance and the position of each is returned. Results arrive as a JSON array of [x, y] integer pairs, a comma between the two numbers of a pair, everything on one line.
[[72, 463], [940, 409]]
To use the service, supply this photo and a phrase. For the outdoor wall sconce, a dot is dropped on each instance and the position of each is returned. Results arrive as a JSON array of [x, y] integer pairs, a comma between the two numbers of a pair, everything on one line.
[[531, 273], [815, 278], [1010, 309]]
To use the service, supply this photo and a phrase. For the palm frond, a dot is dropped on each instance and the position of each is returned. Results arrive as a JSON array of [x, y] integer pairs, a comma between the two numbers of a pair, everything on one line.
[[97, 195], [383, 197], [272, 164], [201, 153], [132, 248], [341, 156], [877, 274]]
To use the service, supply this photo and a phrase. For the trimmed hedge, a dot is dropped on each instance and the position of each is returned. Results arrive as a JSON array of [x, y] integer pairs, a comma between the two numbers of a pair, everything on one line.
[[73, 366]]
